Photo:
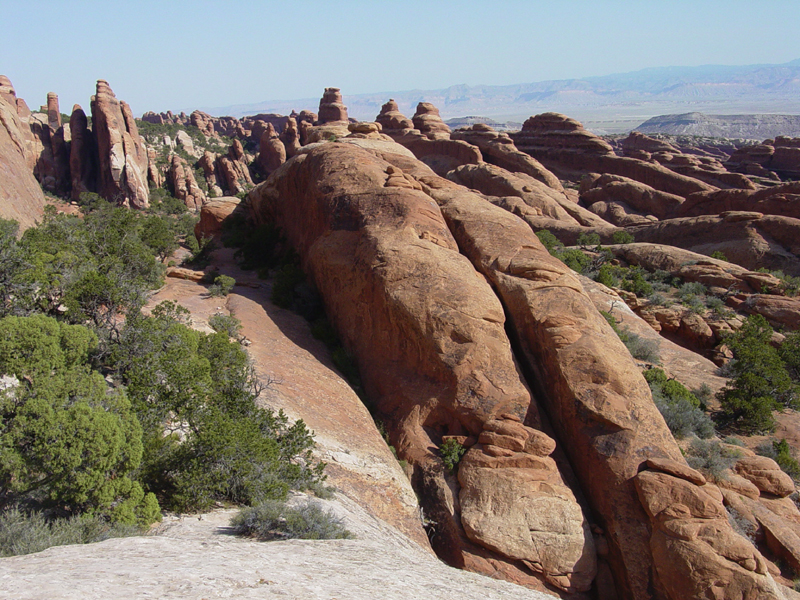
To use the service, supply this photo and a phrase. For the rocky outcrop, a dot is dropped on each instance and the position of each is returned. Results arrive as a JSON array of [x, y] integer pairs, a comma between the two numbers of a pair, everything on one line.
[[591, 385], [21, 198], [427, 120], [701, 556], [563, 145], [214, 183], [233, 172], [183, 184], [780, 155], [783, 200], [331, 107], [271, 151], [637, 142], [122, 161], [203, 121], [380, 254], [212, 214], [82, 155], [642, 198], [498, 149], [290, 136], [391, 119]]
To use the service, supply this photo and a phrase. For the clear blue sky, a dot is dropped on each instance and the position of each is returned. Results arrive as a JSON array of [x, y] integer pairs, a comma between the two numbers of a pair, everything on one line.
[[176, 54]]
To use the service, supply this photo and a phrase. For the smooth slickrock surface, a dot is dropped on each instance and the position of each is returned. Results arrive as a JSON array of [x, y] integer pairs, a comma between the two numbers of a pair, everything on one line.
[[197, 558]]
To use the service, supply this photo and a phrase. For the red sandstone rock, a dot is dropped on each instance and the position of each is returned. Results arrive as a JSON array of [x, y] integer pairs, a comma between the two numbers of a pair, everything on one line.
[[765, 474], [203, 121], [331, 108], [290, 137], [380, 252], [184, 186], [21, 198], [643, 198], [83, 154], [391, 118], [429, 123], [782, 200], [208, 162], [212, 214], [122, 155], [272, 153], [639, 141], [498, 149]]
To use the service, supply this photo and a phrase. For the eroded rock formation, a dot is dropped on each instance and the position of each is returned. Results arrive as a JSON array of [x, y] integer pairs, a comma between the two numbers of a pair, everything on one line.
[[122, 155]]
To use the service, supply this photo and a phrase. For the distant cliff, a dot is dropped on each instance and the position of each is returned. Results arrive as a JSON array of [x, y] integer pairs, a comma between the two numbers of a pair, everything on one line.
[[755, 127]]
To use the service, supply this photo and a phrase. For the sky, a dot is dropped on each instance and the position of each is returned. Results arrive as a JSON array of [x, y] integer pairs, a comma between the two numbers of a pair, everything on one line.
[[180, 55]]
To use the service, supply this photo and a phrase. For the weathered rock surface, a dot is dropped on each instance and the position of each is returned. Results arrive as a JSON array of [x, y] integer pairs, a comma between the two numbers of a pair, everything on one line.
[[271, 151], [783, 200], [391, 118], [290, 136], [780, 155], [641, 197], [331, 107], [392, 278], [83, 154], [212, 214], [191, 559], [122, 155], [21, 198], [212, 174], [562, 144], [766, 475], [699, 555], [427, 120], [183, 184], [498, 149]]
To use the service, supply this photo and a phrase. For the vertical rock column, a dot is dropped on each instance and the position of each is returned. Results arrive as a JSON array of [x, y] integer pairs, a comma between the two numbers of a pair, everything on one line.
[[122, 154]]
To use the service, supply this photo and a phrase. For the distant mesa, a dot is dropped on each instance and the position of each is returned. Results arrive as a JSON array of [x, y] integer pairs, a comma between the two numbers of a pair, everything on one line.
[[753, 127]]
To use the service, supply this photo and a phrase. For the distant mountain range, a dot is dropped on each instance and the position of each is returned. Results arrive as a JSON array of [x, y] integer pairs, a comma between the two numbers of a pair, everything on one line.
[[608, 103]]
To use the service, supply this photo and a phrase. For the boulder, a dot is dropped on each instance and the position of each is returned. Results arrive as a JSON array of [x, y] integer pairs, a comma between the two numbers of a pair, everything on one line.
[[212, 214], [765, 474], [123, 159]]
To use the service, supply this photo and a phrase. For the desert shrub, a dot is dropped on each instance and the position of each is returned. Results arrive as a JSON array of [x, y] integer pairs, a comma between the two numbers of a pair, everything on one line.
[[277, 521], [734, 441], [549, 241], [679, 407], [451, 452], [205, 438], [716, 304], [67, 442], [780, 452], [760, 381], [622, 237], [223, 285], [25, 533], [588, 240], [657, 299], [742, 526], [222, 323], [639, 347], [575, 259], [636, 283], [692, 288], [703, 394], [719, 255], [605, 275], [711, 458], [789, 352]]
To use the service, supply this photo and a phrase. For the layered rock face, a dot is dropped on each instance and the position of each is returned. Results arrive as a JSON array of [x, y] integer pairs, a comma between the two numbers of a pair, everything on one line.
[[780, 155], [21, 198], [428, 121], [434, 359], [391, 118], [122, 155], [272, 152], [331, 107], [183, 184]]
